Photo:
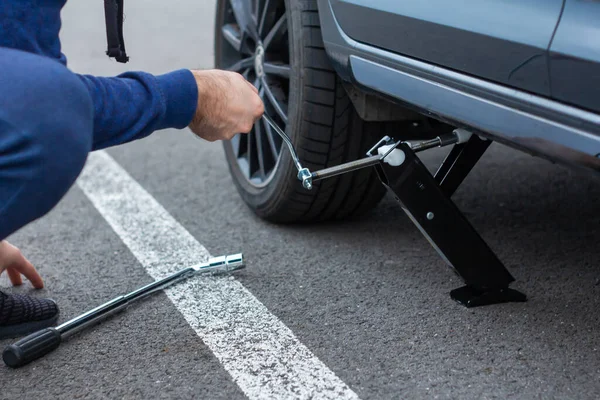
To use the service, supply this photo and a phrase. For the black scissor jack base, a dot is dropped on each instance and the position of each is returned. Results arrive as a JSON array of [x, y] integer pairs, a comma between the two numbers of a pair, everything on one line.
[[470, 297], [426, 200]]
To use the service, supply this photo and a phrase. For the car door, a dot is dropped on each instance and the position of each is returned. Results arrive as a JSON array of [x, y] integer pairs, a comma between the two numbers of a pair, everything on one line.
[[575, 55], [505, 41]]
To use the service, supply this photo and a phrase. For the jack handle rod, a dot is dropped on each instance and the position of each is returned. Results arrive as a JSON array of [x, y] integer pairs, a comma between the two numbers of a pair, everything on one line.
[[347, 167]]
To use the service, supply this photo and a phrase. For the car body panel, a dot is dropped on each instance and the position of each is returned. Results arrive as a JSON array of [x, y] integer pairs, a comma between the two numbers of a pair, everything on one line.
[[514, 117], [575, 55], [509, 125], [502, 41]]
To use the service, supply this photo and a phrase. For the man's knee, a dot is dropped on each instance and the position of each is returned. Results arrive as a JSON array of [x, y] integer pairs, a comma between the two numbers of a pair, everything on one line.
[[48, 103], [52, 116], [64, 139]]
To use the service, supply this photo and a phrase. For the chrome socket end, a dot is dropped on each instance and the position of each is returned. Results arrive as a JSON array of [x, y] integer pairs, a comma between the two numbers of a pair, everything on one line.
[[305, 176], [235, 262], [222, 264]]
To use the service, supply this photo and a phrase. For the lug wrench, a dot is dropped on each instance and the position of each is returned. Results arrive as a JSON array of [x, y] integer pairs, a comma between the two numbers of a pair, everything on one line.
[[307, 177], [46, 340]]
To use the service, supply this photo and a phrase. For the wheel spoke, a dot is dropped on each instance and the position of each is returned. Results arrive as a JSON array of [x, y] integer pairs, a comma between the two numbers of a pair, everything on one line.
[[235, 144], [259, 148], [249, 153], [257, 83], [256, 8], [246, 73], [242, 65], [233, 36], [265, 11], [279, 28], [282, 70], [271, 139], [242, 10], [279, 108]]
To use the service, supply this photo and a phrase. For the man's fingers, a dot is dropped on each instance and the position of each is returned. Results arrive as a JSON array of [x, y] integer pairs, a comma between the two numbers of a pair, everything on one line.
[[14, 276], [254, 89], [26, 268], [261, 108]]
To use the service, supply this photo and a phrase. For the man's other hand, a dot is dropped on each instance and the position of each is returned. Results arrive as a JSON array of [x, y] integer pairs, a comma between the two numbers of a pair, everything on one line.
[[227, 105], [16, 264]]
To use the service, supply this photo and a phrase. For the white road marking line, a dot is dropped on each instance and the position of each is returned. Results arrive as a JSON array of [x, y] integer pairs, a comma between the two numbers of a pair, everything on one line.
[[262, 355]]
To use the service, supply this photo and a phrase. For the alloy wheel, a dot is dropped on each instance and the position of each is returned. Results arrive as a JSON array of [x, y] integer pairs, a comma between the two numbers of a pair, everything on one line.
[[254, 42]]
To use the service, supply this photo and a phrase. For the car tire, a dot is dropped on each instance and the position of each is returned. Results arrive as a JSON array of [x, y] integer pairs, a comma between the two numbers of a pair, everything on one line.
[[323, 125]]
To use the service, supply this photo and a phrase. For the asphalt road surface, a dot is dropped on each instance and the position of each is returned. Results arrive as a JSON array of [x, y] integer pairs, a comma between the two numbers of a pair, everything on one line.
[[357, 309]]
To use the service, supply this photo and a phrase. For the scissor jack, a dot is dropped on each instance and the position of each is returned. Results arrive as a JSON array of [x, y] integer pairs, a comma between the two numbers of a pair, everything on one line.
[[426, 200]]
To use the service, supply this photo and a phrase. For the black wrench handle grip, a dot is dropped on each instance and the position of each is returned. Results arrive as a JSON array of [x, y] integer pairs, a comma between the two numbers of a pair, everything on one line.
[[31, 347]]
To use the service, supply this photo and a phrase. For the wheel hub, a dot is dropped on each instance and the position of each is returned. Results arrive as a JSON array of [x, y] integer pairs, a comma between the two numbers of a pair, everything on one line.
[[259, 59]]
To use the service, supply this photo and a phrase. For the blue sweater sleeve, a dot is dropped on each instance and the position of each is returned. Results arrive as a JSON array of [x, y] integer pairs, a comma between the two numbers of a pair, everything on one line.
[[133, 105]]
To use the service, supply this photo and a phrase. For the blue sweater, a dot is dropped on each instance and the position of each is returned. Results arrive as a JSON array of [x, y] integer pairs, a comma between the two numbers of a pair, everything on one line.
[[127, 107]]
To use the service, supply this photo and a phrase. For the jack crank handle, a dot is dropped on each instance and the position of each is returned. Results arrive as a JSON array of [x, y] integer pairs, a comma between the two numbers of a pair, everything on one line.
[[285, 138], [304, 175]]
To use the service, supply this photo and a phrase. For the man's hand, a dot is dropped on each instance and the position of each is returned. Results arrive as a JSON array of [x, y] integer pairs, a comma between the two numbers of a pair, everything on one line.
[[16, 264], [227, 105]]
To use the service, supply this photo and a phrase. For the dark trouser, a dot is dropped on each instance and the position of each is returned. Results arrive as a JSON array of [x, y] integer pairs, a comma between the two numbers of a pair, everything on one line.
[[46, 133]]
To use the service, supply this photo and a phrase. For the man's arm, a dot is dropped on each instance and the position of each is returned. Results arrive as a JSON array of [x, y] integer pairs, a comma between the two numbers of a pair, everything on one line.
[[215, 104], [133, 105]]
